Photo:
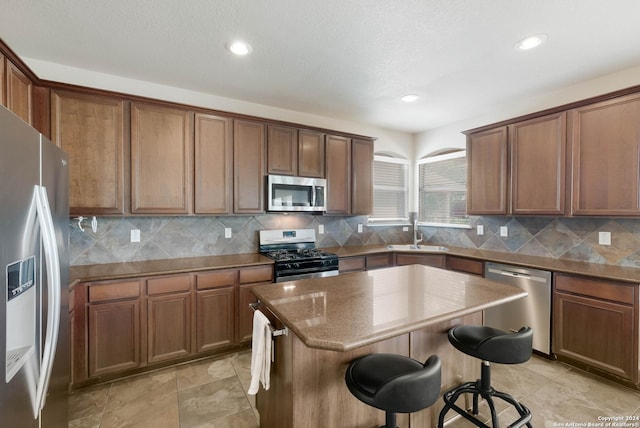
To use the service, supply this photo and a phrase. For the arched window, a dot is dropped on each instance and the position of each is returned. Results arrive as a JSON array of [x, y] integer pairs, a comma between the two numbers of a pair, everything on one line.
[[442, 190], [390, 189]]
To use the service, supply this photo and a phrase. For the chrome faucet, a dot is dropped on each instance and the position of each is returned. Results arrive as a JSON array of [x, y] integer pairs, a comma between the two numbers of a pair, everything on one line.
[[415, 233]]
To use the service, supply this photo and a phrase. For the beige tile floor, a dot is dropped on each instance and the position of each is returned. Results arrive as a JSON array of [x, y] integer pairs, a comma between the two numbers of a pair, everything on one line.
[[212, 393]]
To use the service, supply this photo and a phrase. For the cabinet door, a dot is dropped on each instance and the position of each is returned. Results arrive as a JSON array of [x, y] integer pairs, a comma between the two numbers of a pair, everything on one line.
[[597, 333], [538, 156], [310, 153], [248, 277], [19, 92], [362, 177], [249, 167], [215, 318], [433, 260], [213, 164], [282, 150], [605, 140], [338, 174], [487, 172], [161, 147], [114, 337], [90, 130], [168, 326]]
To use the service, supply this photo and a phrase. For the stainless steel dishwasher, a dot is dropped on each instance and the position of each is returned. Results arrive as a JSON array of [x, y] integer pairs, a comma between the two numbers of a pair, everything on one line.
[[533, 311]]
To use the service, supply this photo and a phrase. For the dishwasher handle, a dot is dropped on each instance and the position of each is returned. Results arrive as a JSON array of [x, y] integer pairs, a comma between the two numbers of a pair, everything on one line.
[[522, 275]]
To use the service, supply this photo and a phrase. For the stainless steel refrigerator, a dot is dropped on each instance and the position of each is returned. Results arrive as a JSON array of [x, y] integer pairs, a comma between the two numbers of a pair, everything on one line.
[[34, 313]]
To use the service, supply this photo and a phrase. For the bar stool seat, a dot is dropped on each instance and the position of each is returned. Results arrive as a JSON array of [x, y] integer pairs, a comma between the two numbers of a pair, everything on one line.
[[394, 383], [489, 345]]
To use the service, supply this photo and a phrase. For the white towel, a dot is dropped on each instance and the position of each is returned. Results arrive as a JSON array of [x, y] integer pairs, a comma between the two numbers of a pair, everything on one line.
[[260, 353]]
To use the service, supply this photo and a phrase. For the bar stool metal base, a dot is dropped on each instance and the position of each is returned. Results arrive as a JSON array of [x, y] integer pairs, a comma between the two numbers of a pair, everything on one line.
[[482, 388]]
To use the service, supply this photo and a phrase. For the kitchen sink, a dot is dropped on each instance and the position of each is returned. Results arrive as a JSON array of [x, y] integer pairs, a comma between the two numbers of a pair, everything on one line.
[[411, 247]]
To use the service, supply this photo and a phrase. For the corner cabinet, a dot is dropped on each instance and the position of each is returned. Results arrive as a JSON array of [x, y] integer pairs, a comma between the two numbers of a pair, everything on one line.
[[595, 325], [249, 167], [605, 141], [161, 163], [487, 177], [91, 130]]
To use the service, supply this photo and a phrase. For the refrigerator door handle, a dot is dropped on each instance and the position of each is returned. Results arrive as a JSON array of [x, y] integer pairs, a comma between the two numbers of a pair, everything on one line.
[[52, 261]]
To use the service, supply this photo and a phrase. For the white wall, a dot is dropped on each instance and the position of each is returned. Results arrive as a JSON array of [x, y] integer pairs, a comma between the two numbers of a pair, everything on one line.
[[451, 136]]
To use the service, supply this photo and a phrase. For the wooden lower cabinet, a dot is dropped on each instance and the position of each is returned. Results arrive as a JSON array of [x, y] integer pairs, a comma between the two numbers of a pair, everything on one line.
[[352, 264], [115, 307], [127, 326], [596, 325], [168, 318], [462, 264], [435, 260]]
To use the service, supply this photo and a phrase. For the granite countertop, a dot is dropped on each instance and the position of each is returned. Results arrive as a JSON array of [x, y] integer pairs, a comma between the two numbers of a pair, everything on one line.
[[345, 312], [101, 272], [604, 271]]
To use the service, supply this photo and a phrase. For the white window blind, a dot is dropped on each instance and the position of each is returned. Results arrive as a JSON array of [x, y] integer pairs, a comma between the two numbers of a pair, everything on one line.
[[442, 190], [390, 189]]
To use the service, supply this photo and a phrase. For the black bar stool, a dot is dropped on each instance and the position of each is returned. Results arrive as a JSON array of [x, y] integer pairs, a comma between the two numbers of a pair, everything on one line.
[[489, 345], [394, 383]]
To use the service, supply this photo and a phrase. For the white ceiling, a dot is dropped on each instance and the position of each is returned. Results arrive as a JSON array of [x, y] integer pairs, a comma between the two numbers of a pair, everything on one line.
[[348, 59]]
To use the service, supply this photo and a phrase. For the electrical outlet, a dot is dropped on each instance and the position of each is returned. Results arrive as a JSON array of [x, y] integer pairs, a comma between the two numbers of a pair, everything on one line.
[[604, 238], [321, 229], [135, 235], [504, 231], [480, 229], [405, 228], [227, 232], [359, 228]]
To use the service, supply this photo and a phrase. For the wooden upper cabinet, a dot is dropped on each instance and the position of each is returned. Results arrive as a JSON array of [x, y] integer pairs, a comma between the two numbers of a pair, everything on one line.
[[310, 153], [19, 92], [3, 92], [538, 158], [213, 164], [161, 147], [90, 129], [249, 167], [361, 177], [487, 172], [282, 150], [605, 142], [338, 174]]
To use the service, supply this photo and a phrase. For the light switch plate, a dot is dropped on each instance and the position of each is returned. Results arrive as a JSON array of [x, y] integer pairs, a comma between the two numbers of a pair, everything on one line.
[[604, 238], [359, 228], [504, 231], [227, 232], [321, 229], [480, 229], [135, 235]]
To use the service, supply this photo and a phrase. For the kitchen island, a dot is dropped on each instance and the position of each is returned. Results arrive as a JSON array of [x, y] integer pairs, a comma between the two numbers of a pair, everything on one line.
[[404, 310]]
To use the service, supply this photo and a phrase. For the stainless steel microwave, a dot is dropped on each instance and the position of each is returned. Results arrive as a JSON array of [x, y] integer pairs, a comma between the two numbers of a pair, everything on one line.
[[286, 193]]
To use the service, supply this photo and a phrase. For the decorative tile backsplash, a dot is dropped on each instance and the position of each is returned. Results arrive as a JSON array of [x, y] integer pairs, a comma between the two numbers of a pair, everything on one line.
[[172, 237]]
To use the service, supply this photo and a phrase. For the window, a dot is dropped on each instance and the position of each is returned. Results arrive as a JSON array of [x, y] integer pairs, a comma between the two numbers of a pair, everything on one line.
[[390, 190], [442, 190]]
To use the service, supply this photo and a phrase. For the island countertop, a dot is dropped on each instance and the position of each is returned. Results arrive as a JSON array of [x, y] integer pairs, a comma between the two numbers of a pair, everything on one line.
[[345, 312]]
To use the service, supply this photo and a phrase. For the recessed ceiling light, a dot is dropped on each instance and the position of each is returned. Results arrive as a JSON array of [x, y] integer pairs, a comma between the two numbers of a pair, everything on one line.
[[531, 42], [409, 98], [239, 47]]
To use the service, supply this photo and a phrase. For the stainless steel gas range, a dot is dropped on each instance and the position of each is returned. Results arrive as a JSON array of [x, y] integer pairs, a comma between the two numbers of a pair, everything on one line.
[[295, 254]]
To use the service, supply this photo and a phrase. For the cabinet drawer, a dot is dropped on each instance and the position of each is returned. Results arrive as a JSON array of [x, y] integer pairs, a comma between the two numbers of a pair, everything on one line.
[[168, 284], [256, 274], [215, 279], [461, 264], [351, 264], [114, 291], [608, 290], [378, 261], [421, 259]]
